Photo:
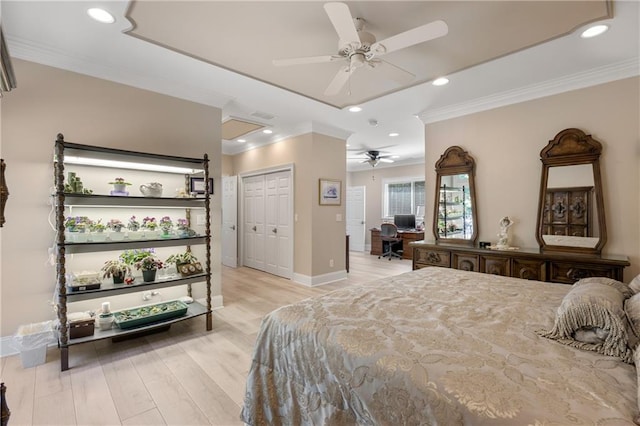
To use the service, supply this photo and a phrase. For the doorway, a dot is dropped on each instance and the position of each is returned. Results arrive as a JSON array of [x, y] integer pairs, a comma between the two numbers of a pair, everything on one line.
[[356, 217]]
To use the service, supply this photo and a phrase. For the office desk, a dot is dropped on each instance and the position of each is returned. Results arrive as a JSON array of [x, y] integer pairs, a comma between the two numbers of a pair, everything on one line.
[[407, 237]]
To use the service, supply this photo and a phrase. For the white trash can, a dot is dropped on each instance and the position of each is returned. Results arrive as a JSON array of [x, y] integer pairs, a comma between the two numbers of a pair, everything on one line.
[[32, 341]]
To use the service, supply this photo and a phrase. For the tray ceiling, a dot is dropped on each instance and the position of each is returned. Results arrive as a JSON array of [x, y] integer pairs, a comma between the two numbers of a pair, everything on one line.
[[223, 33]]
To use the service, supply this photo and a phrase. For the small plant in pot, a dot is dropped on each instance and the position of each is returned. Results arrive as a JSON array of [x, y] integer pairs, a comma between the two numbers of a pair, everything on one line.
[[119, 185], [116, 269], [181, 259], [149, 265], [166, 224]]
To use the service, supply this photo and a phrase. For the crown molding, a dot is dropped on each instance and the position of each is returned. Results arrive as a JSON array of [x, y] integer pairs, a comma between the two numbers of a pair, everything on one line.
[[601, 75], [58, 58]]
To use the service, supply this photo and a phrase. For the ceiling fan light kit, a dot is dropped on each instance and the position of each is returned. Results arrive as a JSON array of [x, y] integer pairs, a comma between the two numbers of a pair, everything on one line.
[[361, 49]]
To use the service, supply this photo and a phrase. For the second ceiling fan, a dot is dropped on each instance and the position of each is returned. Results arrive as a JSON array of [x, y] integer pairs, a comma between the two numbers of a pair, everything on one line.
[[360, 48]]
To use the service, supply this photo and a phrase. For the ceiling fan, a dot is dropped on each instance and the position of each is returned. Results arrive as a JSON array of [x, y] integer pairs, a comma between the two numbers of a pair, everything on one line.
[[374, 157], [360, 48]]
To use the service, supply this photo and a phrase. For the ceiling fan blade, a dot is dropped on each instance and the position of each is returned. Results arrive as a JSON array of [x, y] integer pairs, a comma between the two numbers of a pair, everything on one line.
[[338, 81], [412, 37], [385, 160], [342, 21], [307, 60], [393, 72]]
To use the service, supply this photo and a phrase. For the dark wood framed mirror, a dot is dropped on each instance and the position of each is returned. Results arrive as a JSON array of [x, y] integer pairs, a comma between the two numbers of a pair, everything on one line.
[[571, 215], [455, 219]]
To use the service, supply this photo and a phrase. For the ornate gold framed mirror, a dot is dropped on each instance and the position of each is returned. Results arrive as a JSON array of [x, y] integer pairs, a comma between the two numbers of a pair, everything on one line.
[[571, 208], [455, 219]]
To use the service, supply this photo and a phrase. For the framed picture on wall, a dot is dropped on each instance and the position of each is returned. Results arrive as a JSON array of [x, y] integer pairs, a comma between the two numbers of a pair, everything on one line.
[[330, 192], [196, 185]]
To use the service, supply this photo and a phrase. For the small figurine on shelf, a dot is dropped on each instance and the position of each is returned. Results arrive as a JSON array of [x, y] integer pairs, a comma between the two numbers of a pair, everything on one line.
[[503, 236], [119, 187]]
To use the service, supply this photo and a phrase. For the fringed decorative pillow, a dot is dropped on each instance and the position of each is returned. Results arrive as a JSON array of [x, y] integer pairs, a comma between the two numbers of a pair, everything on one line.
[[635, 284], [592, 317]]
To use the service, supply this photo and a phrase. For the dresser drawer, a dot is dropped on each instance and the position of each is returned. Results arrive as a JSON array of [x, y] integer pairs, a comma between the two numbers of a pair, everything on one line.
[[570, 272], [529, 269], [428, 257], [495, 265], [465, 262]]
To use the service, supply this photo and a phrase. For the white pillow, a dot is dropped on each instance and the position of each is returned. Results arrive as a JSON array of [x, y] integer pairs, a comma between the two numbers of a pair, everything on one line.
[[635, 284]]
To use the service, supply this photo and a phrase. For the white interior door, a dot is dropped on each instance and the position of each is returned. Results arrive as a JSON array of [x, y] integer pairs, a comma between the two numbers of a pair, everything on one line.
[[356, 217], [230, 221], [283, 187], [267, 223], [253, 225]]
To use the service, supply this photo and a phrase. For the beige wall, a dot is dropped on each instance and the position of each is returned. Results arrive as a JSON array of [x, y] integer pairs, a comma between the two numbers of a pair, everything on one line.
[[373, 180], [94, 112], [318, 237], [227, 165], [506, 144]]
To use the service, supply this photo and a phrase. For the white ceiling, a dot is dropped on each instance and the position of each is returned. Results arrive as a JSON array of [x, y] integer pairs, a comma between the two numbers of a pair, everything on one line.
[[220, 55]]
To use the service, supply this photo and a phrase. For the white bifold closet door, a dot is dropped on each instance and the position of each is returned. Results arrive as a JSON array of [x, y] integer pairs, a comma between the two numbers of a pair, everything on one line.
[[267, 227]]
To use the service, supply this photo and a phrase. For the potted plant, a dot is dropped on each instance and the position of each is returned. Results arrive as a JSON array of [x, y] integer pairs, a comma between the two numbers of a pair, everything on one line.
[[116, 269], [182, 225], [97, 231], [166, 224], [130, 257], [76, 228], [180, 259], [150, 226], [116, 225], [149, 265], [133, 228], [119, 186]]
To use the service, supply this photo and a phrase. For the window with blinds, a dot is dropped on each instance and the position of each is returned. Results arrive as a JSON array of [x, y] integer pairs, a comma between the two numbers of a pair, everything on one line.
[[404, 197]]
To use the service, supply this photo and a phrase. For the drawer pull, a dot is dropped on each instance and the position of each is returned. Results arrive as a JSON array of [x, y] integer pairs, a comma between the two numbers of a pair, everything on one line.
[[434, 257]]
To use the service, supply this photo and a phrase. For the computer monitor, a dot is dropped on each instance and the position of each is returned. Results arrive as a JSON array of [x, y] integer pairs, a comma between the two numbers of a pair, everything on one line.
[[405, 221]]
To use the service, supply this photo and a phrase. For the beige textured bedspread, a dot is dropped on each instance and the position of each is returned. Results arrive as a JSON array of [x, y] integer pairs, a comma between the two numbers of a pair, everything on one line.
[[431, 347]]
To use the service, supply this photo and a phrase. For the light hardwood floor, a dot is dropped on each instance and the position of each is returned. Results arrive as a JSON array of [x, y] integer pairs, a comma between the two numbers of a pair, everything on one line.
[[183, 376]]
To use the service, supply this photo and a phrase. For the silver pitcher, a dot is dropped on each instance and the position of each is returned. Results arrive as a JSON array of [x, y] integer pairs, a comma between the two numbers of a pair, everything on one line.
[[151, 189]]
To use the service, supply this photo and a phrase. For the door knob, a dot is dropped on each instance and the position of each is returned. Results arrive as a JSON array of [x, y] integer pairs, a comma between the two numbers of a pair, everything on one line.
[[254, 228], [233, 227], [274, 230], [362, 222]]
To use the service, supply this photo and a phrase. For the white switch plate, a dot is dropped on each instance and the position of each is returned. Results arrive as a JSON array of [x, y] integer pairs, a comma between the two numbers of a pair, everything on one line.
[[338, 217]]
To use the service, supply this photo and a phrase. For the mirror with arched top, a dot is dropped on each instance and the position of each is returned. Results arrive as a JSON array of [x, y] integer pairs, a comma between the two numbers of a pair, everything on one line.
[[455, 218], [571, 208]]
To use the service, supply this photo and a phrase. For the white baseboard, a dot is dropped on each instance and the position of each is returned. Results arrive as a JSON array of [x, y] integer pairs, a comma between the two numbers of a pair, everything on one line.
[[317, 280]]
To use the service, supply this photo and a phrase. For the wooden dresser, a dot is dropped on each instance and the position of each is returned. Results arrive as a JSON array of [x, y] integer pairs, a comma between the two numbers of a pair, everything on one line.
[[524, 263], [407, 237]]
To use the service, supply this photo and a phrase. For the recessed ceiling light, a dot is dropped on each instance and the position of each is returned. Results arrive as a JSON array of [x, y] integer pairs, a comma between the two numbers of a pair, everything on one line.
[[355, 109], [267, 131], [242, 140], [596, 30], [101, 15], [394, 134], [440, 81]]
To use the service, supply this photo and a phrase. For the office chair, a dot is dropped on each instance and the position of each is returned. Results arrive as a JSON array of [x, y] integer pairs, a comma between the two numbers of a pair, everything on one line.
[[389, 235]]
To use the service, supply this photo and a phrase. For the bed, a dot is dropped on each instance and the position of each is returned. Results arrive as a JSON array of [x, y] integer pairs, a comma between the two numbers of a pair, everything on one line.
[[435, 346]]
